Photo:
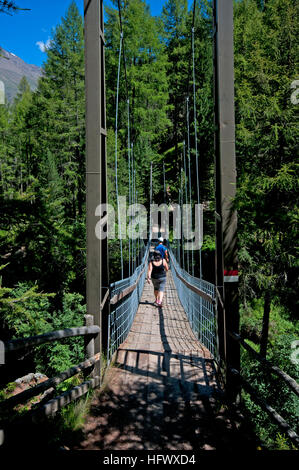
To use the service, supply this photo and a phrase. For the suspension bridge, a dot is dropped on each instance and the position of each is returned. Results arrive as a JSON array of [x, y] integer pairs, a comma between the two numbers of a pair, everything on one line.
[[170, 368]]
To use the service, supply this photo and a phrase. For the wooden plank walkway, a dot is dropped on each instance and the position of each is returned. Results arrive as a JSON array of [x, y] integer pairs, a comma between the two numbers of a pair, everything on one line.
[[160, 393]]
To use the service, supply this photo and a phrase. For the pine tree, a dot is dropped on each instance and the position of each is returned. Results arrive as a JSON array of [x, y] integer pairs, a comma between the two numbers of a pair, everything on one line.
[[177, 39], [178, 25], [58, 117], [265, 64], [4, 146], [147, 86]]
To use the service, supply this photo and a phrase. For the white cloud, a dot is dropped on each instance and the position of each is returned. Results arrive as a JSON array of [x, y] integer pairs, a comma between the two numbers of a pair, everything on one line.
[[43, 46]]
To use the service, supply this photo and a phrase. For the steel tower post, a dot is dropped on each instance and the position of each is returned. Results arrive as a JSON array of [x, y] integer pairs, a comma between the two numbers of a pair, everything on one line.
[[225, 179], [96, 175]]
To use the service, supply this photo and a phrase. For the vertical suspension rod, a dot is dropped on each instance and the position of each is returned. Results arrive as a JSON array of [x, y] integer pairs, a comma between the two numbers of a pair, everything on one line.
[[182, 219], [128, 110], [186, 199], [129, 170], [151, 201], [195, 132], [190, 185], [116, 164], [164, 183]]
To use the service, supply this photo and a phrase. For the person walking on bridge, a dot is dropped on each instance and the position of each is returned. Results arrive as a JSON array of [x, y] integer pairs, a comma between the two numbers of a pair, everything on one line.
[[157, 269], [162, 249]]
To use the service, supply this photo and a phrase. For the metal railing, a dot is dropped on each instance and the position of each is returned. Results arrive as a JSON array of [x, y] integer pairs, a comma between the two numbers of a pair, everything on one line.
[[124, 300], [198, 298]]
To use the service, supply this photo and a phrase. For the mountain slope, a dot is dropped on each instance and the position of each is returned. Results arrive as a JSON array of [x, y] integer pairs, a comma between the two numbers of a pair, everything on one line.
[[12, 69]]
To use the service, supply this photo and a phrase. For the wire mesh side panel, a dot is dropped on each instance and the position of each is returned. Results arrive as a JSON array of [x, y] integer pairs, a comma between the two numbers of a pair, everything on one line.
[[122, 314], [201, 313]]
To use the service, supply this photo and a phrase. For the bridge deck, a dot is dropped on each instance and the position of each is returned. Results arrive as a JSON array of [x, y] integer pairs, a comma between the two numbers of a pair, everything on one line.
[[160, 392]]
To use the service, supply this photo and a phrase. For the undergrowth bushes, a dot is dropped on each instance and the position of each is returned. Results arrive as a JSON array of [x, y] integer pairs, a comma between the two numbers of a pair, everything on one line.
[[282, 335]]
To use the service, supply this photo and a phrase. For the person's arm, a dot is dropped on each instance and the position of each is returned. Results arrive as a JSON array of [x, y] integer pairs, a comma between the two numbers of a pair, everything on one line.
[[166, 256], [149, 272], [165, 265]]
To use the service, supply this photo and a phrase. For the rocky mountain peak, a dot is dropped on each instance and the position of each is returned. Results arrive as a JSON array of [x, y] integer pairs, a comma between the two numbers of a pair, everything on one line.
[[12, 69]]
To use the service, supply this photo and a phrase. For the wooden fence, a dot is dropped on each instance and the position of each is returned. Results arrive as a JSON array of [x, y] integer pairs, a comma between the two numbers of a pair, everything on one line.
[[89, 332]]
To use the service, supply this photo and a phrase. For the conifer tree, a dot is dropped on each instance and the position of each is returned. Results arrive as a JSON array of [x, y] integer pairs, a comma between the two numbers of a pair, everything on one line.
[[178, 23], [58, 117], [147, 86], [265, 64]]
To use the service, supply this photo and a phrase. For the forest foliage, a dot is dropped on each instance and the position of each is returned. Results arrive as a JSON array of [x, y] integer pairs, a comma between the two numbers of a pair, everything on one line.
[[42, 169]]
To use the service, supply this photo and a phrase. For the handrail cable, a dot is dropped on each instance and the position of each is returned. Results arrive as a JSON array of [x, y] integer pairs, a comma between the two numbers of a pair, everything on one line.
[[124, 301]]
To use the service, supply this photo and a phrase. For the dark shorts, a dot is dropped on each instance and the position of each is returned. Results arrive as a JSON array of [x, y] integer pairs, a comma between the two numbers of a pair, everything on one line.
[[159, 284]]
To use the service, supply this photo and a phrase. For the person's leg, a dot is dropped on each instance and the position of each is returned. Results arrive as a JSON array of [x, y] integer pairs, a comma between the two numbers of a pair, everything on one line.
[[156, 288], [161, 290]]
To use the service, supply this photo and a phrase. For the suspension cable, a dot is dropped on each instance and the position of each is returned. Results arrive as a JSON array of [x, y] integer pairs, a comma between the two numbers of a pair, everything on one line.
[[132, 201], [186, 199], [164, 182], [135, 244], [182, 218], [116, 176], [151, 201], [124, 55], [195, 119], [189, 167], [180, 239], [195, 128], [129, 170], [130, 146]]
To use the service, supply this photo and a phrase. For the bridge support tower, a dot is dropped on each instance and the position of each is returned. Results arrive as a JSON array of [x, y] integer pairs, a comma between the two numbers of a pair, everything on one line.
[[226, 215], [97, 280]]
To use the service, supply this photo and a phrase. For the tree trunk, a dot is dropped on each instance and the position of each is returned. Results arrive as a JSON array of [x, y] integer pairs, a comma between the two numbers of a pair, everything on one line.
[[265, 328]]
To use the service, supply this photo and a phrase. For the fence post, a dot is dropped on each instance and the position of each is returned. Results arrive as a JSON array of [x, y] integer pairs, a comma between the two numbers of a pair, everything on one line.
[[89, 340], [89, 344]]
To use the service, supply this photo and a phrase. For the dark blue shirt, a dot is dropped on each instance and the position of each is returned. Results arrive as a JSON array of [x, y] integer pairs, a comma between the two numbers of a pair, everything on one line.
[[162, 250]]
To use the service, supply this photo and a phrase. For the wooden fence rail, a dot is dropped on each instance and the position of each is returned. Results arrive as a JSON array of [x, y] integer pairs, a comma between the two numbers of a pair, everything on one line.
[[52, 406], [48, 384], [292, 384], [279, 420], [23, 343], [282, 424]]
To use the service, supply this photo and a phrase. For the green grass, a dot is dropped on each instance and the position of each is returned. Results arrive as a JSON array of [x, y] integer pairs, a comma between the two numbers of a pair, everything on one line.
[[280, 324]]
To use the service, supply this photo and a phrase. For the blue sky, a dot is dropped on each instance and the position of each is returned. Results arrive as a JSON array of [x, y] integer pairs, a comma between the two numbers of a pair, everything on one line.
[[26, 32]]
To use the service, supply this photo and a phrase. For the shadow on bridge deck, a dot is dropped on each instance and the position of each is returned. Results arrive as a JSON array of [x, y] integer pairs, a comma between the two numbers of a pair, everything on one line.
[[161, 392]]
